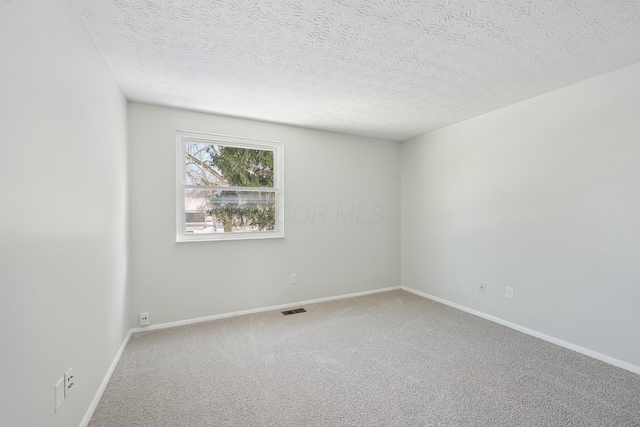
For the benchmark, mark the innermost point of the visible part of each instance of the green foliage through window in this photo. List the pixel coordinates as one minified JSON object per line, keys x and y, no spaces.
{"x":228,"y":187}
{"x":242,"y":167}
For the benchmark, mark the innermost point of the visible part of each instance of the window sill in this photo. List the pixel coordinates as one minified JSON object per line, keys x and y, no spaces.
{"x":225,"y":237}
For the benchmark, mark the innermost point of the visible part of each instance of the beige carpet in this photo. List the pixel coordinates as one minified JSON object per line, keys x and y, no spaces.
{"x":388,"y":359}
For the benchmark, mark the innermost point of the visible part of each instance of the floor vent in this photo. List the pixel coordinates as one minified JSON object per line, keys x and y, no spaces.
{"x":296,"y":311}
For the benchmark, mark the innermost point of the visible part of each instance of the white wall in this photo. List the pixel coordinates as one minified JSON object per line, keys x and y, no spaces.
{"x":323,"y":171}
{"x":542,"y":196}
{"x":62,"y":213}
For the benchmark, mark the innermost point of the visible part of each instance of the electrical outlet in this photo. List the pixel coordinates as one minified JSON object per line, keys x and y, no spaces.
{"x":509,"y":293}
{"x":482,"y":288}
{"x":294,"y":279}
{"x":59,"y":393}
{"x":144,"y":319}
{"x":69,"y":382}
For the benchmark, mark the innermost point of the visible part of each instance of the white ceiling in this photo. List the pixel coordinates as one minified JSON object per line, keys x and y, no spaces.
{"x":391,"y":69}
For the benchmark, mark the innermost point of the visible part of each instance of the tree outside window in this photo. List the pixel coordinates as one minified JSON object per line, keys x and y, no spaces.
{"x":229,"y":188}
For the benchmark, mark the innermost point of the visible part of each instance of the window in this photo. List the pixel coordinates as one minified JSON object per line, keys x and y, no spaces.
{"x":228,"y":188}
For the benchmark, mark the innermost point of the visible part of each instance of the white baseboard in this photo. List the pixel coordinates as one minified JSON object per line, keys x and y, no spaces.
{"x":258,"y":310}
{"x":105,"y":381}
{"x":594,"y":354}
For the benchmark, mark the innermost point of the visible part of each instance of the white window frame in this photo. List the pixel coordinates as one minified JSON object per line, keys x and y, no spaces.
{"x":183,"y":137}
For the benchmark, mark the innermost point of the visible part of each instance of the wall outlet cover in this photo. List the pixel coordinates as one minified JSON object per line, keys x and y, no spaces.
{"x":69,"y":382}
{"x":482,"y":288}
{"x":144,"y":319}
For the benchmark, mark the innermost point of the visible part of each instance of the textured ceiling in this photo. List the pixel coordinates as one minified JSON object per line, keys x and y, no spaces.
{"x":385,"y":68}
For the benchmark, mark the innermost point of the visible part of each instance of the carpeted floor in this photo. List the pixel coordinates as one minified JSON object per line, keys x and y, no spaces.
{"x":388,"y":359}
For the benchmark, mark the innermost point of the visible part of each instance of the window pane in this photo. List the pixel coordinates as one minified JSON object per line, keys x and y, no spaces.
{"x":223,"y":211}
{"x":213,"y":164}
